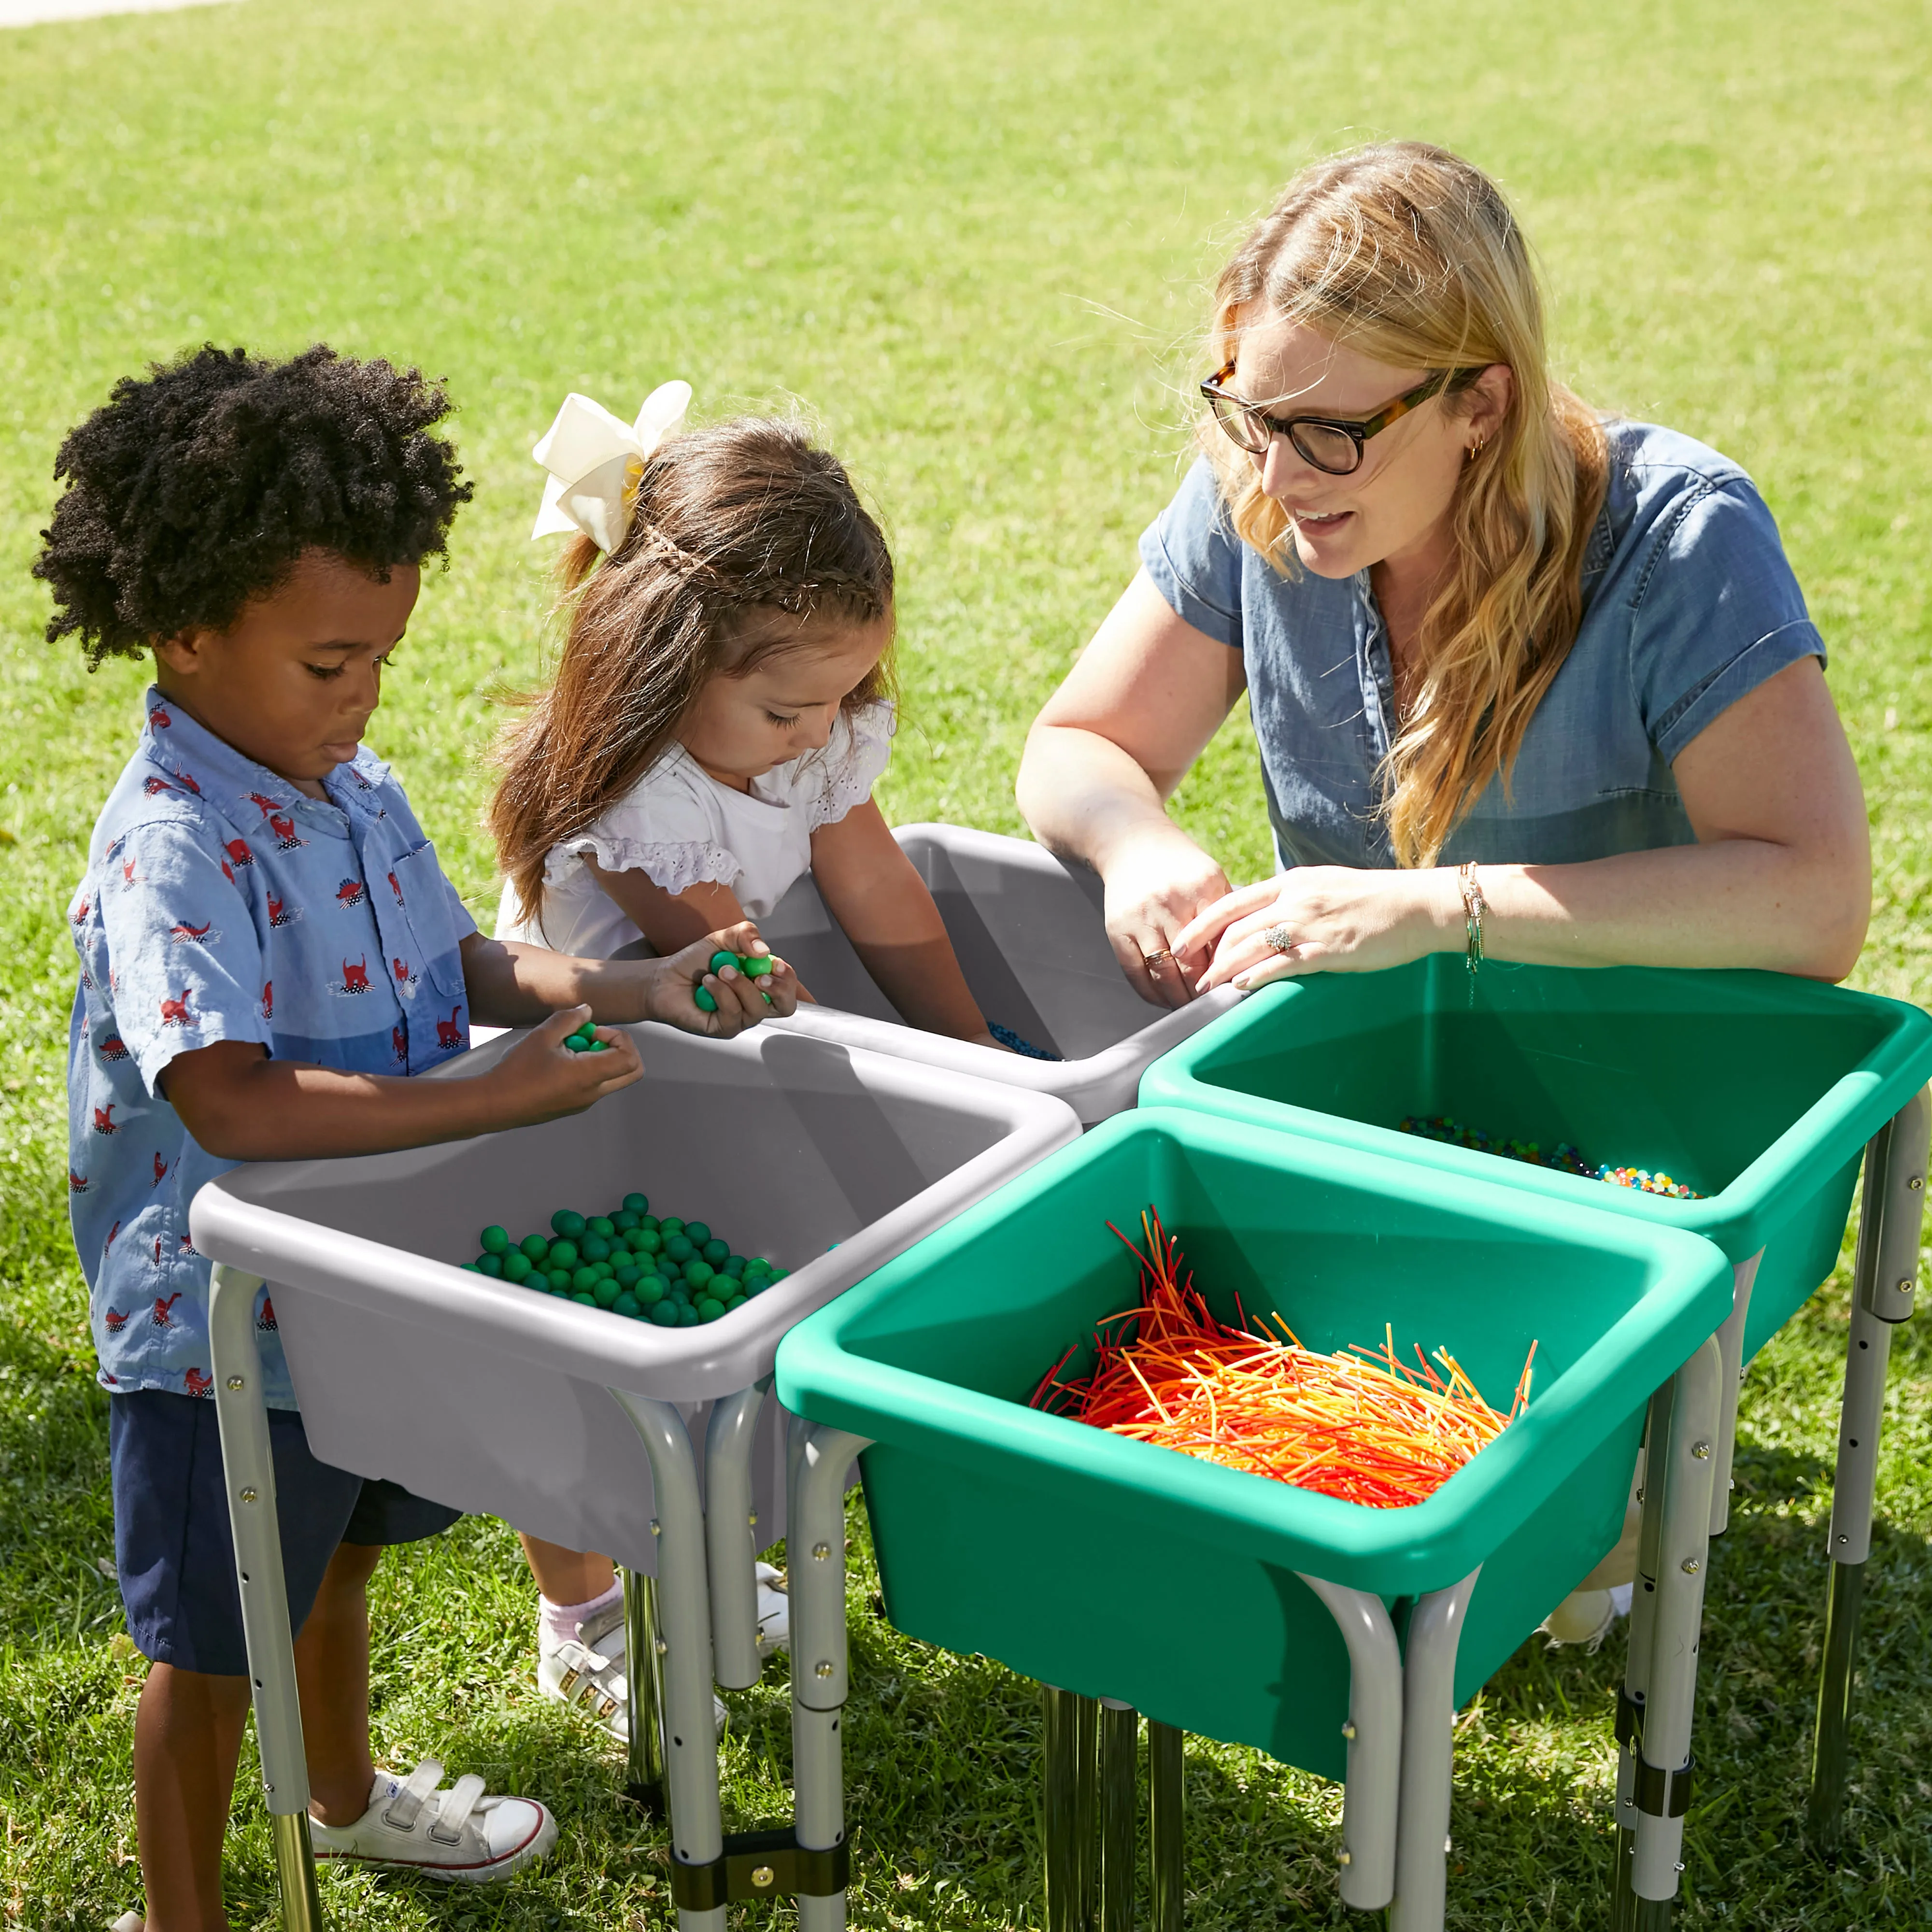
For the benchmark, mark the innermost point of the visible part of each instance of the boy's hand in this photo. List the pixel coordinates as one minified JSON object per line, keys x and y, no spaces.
{"x":540,"y":1079}
{"x":740,"y":998}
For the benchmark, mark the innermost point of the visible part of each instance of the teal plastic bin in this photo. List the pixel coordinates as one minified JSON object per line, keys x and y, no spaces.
{"x":1758,"y":1090}
{"x":1115,"y":1568}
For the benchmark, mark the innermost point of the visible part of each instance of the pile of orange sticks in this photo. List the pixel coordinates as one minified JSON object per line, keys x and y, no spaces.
{"x":1361,"y":1425}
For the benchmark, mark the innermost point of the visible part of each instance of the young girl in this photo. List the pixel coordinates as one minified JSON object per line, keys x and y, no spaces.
{"x":720,"y":711}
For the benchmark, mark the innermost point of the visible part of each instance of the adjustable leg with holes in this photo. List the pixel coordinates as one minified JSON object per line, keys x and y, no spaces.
{"x":248,"y":1471}
{"x":820,"y":1676}
{"x":1428,"y":1758}
{"x":684,"y":1640}
{"x":644,"y":1769}
{"x":1371,"y":1794}
{"x":1636,"y":1669}
{"x":1167,"y":1836}
{"x":1118,"y":1759}
{"x":1678,"y":1480}
{"x":1884,"y":1287}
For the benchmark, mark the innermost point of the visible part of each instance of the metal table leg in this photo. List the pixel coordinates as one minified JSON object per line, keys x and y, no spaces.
{"x":1885,"y":1285}
{"x":731,"y":1526}
{"x":1118,"y":1760}
{"x":820,"y":1670}
{"x":1166,"y":1825}
{"x":1066,"y":1775}
{"x":690,"y":1735}
{"x":1731,"y":1346}
{"x":1636,"y":1667}
{"x":1371,"y":1796}
{"x":248,"y":1472}
{"x":1678,"y":1474}
{"x":644,"y":1768}
{"x":1428,"y":1757}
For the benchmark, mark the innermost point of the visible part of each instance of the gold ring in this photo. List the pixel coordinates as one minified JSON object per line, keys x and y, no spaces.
{"x":1278,"y":939}
{"x":1156,"y":957}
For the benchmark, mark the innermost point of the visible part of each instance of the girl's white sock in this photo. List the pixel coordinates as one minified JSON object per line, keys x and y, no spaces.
{"x":557,"y":1623}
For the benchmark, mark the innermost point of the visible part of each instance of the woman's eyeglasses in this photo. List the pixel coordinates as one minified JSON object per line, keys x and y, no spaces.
{"x":1331,"y":443}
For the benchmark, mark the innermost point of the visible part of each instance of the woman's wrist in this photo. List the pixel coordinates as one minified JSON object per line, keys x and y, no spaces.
{"x":1436,"y":909}
{"x":1134,"y":843}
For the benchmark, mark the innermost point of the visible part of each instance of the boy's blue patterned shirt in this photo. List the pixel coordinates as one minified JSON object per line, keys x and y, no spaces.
{"x":220,"y":904}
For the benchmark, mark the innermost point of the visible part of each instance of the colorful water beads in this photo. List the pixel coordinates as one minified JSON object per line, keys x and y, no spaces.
{"x":1564,"y":1157}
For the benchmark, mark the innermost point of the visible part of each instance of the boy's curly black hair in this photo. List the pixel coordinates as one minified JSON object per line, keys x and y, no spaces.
{"x":196,"y":487}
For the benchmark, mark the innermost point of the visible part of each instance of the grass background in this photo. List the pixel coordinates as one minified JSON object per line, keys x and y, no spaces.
{"x":971,"y":240}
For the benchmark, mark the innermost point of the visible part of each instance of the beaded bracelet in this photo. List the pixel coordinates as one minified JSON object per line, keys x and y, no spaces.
{"x":1474,"y":908}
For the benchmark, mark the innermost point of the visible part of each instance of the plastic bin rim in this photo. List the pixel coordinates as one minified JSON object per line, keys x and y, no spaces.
{"x":1869,"y":1093}
{"x":1389,"y":1551}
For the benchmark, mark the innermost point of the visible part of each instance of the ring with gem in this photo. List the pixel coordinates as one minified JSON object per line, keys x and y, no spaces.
{"x":1279,"y":939}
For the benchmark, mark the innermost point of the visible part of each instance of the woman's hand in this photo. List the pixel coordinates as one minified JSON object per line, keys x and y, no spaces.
{"x":670,"y":986}
{"x":1331,"y":918}
{"x":1158,"y":885}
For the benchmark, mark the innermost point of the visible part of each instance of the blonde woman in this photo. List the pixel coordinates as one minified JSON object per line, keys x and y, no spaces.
{"x":1476,"y":622}
{"x":1495,"y":645}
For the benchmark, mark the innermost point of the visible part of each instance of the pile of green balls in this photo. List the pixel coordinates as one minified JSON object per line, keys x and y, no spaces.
{"x":676,"y":1273}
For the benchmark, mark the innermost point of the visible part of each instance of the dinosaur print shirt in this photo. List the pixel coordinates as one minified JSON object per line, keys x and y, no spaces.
{"x":221,"y":903}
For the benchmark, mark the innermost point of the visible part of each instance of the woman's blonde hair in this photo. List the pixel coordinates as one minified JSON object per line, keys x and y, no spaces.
{"x":1411,"y":256}
{"x":741,"y":535}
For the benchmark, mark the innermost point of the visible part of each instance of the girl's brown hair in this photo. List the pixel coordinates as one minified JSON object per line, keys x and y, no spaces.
{"x":739,"y":535}
{"x":1411,"y":256}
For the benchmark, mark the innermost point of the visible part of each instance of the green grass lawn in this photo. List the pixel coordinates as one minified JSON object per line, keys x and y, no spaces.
{"x":971,"y":240}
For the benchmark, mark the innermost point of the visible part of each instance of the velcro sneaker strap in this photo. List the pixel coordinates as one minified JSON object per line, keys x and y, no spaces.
{"x":453,"y":1813}
{"x":401,"y":1810}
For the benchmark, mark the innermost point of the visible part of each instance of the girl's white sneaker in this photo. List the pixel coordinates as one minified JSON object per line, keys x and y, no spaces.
{"x":587,"y":1671}
{"x":1587,"y":1617}
{"x":460,"y":1834}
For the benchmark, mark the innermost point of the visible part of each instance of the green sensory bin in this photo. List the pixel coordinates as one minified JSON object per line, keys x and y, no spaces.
{"x":1118,"y":1569}
{"x":1758,"y":1090}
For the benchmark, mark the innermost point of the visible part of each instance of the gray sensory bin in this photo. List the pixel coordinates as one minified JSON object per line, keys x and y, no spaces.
{"x":826,"y":1159}
{"x":1031,"y":939}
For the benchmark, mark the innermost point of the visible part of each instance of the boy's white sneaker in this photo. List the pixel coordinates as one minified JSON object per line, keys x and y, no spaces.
{"x":460,"y":1834}
{"x":587,"y":1670}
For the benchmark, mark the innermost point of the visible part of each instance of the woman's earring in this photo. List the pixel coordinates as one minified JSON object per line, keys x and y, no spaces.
{"x":1476,"y":448}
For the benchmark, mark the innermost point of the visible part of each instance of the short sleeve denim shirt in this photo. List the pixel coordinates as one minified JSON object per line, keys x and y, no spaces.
{"x":222,"y":903}
{"x":1689,"y":603}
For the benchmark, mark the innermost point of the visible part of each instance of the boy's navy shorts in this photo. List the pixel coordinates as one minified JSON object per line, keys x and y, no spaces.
{"x":173,"y":1546}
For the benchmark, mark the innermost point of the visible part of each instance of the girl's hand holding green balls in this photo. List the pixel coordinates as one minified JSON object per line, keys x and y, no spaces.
{"x":723,"y":983}
{"x":673,"y":1273}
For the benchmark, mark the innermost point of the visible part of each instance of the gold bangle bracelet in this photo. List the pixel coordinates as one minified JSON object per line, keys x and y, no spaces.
{"x":1474,"y":906}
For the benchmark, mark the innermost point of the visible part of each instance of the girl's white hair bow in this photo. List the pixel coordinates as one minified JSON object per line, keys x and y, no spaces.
{"x":594,"y":462}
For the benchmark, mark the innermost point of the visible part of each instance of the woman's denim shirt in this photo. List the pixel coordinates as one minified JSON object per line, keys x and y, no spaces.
{"x":1689,"y":604}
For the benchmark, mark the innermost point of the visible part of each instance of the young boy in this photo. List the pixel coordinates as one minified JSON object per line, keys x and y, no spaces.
{"x":268,"y":950}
